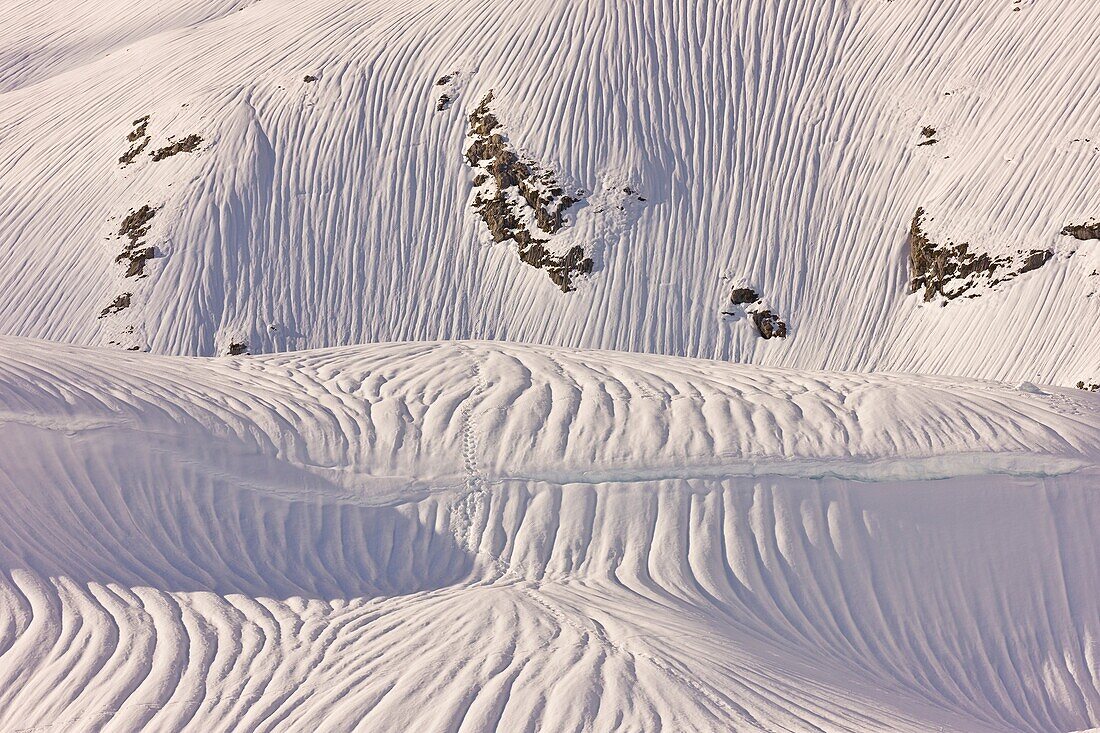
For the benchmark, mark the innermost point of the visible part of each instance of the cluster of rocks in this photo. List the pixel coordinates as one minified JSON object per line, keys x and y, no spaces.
{"x":928,"y":136}
{"x":1091,"y":387}
{"x":120,"y":303}
{"x":135,"y":252}
{"x":768,"y":324}
{"x":514,"y":193}
{"x":139,"y":139}
{"x":950,"y":270}
{"x":445,"y":98}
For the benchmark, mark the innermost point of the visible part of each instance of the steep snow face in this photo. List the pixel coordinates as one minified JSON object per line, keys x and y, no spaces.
{"x":782,"y":145}
{"x":475,"y":536}
{"x":45,"y":38}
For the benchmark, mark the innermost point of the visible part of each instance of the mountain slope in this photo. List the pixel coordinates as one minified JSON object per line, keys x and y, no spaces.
{"x":775,"y":144}
{"x":474,"y":536}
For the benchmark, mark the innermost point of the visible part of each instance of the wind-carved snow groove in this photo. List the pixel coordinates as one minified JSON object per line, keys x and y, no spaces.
{"x":513,"y":196}
{"x":596,"y":633}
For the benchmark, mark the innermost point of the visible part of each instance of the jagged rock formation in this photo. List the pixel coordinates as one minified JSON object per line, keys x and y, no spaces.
{"x":120,"y":303}
{"x":188,"y":144}
{"x":1082,"y":231}
{"x":952,"y":270}
{"x":513,"y":195}
{"x":743,"y":296}
{"x":138,"y":139}
{"x":135,"y":253}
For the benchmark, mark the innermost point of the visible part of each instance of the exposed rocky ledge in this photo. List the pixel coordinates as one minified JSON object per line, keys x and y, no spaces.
{"x":521,"y":201}
{"x":139,"y":139}
{"x":952,"y":270}
{"x":768,"y":324}
{"x":135,"y":252}
{"x":1082,"y":231}
{"x":446,"y":97}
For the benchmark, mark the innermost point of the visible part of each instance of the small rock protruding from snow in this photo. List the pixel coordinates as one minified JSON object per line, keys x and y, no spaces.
{"x":768,"y":324}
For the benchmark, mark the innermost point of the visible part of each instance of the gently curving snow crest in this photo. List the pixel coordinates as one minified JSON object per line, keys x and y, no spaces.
{"x":775,"y":142}
{"x":478,"y":536}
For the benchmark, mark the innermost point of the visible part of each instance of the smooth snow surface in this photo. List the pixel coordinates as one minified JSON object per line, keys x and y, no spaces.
{"x":775,"y":142}
{"x":477,"y":536}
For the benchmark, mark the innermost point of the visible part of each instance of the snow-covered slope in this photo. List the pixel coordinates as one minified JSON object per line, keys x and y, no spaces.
{"x":776,"y":143}
{"x":477,"y":536}
{"x":420,"y":504}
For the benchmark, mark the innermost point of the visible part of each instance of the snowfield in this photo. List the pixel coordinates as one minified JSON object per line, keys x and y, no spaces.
{"x":479,"y":536}
{"x":560,"y":365}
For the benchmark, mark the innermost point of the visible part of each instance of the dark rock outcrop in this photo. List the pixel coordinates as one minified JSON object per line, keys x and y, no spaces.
{"x":188,"y":144}
{"x":1083,"y":232}
{"x":120,"y":303}
{"x":137,"y":259}
{"x":138,"y":139}
{"x":768,"y":324}
{"x":136,"y":224}
{"x":743,"y":296}
{"x":951,"y":270}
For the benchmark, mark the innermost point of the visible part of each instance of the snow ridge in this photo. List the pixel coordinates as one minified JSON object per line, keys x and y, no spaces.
{"x":487,"y":536}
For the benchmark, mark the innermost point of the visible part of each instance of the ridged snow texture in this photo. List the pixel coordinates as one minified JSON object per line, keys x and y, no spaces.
{"x":472,"y":536}
{"x":775,"y":142}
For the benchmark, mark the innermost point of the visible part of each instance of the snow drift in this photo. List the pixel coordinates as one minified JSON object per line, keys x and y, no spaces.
{"x":468,"y":536}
